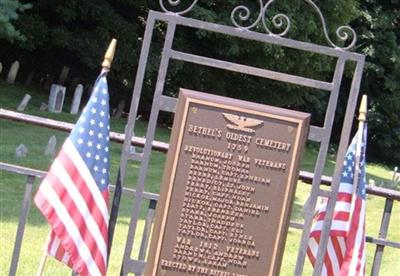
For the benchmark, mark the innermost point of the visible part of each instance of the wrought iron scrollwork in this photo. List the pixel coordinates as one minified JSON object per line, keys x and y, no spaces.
{"x":280,"y":21}
{"x":243,"y":13}
{"x":175,"y":3}
{"x":343,"y":32}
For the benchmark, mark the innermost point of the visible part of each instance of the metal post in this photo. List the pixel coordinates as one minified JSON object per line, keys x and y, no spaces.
{"x":319,"y":166}
{"x":344,"y":141}
{"x":147,"y":148}
{"x":147,"y":229}
{"x":382,"y":234}
{"x":21,"y":224}
{"x":129,"y":131}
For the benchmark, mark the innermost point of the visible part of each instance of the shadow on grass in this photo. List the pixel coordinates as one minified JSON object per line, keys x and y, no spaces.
{"x":12,"y":189}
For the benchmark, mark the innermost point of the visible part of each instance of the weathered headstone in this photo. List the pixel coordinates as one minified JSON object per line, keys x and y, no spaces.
{"x":228,"y":188}
{"x":56,"y":99}
{"x":21,"y":151}
{"x":371,"y":182}
{"x":59,"y":101}
{"x":1,"y":68}
{"x":51,"y":146}
{"x":24,"y":102}
{"x":12,"y":74}
{"x":29,"y":79}
{"x":120,"y":109}
{"x":43,"y":107}
{"x":76,"y":101}
{"x":132,"y":149}
{"x":396,"y":177}
{"x":63,"y":75}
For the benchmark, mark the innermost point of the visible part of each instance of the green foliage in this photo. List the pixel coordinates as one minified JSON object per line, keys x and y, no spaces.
{"x":76,"y":33}
{"x":380,"y":29}
{"x":9,"y":10}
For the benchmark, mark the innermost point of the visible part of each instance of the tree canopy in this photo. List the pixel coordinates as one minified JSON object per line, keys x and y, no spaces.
{"x":9,"y":12}
{"x":379,"y":26}
{"x":76,"y":33}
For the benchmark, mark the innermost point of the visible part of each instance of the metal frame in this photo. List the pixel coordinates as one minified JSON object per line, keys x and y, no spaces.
{"x":26,"y":203}
{"x":165,"y":103}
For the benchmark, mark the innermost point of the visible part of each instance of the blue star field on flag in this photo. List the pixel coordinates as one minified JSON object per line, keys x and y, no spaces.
{"x":91,"y":133}
{"x":349,"y":165}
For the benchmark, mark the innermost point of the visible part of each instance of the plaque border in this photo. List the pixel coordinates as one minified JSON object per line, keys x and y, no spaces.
{"x":186,"y":97}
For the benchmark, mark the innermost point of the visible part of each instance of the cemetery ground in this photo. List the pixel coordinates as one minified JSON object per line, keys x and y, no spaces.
{"x":35,"y":138}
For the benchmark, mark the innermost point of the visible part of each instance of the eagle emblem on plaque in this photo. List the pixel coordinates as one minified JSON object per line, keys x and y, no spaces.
{"x":241,"y":123}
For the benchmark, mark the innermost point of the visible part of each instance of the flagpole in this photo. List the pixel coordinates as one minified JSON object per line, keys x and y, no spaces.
{"x":44,"y":256}
{"x":109,"y":55}
{"x":362,"y":117}
{"x":106,"y":64}
{"x":108,"y":58}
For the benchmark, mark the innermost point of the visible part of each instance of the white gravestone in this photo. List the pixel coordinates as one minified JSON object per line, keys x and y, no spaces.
{"x":12,"y":74}
{"x":43,"y":107}
{"x":120,"y":109}
{"x":1,"y":67}
{"x":51,"y":146}
{"x":396,"y":176}
{"x":76,"y":101}
{"x":56,"y":99}
{"x":132,"y":149}
{"x":24,"y":102}
{"x":21,"y":151}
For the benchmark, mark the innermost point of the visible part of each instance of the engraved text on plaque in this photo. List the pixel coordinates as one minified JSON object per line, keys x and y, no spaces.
{"x":228,"y":188}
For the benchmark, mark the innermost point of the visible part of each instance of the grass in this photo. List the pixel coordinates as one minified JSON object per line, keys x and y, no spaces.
{"x":35,"y":138}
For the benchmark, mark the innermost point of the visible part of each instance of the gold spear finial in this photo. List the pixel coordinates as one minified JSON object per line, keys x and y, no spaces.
{"x":109,"y":56}
{"x":362,"y":116}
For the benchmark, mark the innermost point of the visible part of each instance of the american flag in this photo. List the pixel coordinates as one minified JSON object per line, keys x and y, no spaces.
{"x":345,"y":253}
{"x":73,"y":197}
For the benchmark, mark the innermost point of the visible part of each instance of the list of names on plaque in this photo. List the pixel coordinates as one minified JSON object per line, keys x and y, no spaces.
{"x":228,"y":196}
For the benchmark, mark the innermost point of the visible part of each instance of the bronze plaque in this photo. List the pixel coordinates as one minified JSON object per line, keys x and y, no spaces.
{"x":228,"y":188}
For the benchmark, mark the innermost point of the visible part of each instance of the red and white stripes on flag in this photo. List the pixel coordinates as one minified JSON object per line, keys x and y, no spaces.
{"x":55,"y":249}
{"x":77,"y":211}
{"x":345,"y":253}
{"x":73,"y":196}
